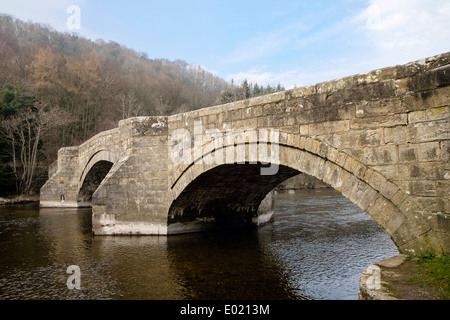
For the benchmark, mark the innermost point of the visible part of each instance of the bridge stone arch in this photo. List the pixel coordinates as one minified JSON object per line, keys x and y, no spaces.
{"x":238,"y":189}
{"x":93,"y":173}
{"x":380,"y":138}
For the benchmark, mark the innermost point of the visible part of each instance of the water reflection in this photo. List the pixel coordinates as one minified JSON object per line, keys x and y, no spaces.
{"x":227,"y":265}
{"x":316,"y":248}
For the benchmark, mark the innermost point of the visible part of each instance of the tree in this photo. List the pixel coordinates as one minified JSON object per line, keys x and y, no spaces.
{"x":227,"y":97}
{"x":256,"y":90}
{"x":48,"y":69}
{"x":245,"y":90}
{"x":129,"y":105}
{"x":23,"y":130}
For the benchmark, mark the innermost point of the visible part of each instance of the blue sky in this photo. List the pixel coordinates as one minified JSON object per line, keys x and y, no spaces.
{"x":295,"y":43}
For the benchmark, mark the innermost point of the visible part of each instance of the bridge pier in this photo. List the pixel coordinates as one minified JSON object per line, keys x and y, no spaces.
{"x":61,"y":190}
{"x":133,"y":198}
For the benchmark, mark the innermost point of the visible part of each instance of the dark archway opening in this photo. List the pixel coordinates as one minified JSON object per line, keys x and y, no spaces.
{"x":229,"y":195}
{"x":92,"y":181}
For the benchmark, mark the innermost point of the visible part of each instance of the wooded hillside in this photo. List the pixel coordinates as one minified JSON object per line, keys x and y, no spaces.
{"x":59,"y":89}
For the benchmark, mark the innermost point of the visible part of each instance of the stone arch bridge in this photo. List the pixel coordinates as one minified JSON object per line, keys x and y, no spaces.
{"x":380,"y":138}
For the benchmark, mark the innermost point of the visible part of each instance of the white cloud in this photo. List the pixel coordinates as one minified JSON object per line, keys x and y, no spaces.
{"x":385,"y":33}
{"x":404,"y":30}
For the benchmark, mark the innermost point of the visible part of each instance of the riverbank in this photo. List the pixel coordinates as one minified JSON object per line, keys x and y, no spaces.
{"x":19,"y":200}
{"x":407,"y":278}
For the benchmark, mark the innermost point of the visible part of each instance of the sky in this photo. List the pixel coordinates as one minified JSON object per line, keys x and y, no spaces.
{"x":291,"y":42}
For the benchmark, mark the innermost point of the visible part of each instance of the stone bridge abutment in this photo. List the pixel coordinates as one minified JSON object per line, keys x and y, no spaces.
{"x":379,"y":138}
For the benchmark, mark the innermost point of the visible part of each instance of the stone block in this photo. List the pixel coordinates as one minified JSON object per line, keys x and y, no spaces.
{"x":367,"y":198}
{"x":429,"y":151}
{"x":395,"y":221}
{"x":425,"y":188}
{"x":422,"y":171}
{"x":380,"y":121}
{"x":380,"y":155}
{"x":443,"y":187}
{"x":304,"y":130}
{"x":350,"y":184}
{"x":431,"y":79}
{"x":429,"y":131}
{"x":331,"y":174}
{"x":367,"y":138}
{"x":302,"y":92}
{"x":382,"y":107}
{"x":410,"y":208}
{"x":374,"y":179}
{"x":344,"y":180}
{"x":322,"y":150}
{"x":434,"y":204}
{"x":329,"y":127}
{"x":407,"y":241}
{"x":318,"y":169}
{"x":428,"y":99}
{"x":396,"y":135}
{"x":370,"y":91}
{"x":399,"y":197}
{"x":341,"y":158}
{"x":356,"y":167}
{"x":429,"y":115}
{"x":357,"y":138}
{"x":265,"y":99}
{"x":388,"y":190}
{"x":389,"y":171}
{"x":375,"y":208}
{"x":358,"y":191}
{"x":332,"y":154}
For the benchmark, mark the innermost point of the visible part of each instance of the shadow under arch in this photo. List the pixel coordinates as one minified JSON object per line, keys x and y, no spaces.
{"x":95,"y":170}
{"x":201,"y":191}
{"x":92,"y":181}
{"x":228,"y":195}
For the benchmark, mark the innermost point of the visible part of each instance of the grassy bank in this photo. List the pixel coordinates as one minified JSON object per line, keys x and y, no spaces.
{"x":433,"y":272}
{"x":423,"y":277}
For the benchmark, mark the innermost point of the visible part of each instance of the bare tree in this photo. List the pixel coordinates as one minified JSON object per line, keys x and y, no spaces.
{"x":129,"y":105}
{"x":24,"y":131}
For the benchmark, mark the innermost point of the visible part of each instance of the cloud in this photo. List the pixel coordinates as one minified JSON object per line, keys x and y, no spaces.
{"x":384,"y":33}
{"x":405,"y":30}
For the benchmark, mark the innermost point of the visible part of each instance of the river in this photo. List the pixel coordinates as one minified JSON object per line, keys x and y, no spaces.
{"x":316,"y":248}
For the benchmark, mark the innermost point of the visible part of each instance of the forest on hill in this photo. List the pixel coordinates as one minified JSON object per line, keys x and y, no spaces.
{"x":60,"y":89}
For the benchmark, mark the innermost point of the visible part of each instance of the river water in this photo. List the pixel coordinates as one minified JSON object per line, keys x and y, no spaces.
{"x":316,"y":248}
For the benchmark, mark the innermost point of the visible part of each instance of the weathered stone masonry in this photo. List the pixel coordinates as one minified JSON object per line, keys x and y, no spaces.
{"x":380,"y":138}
